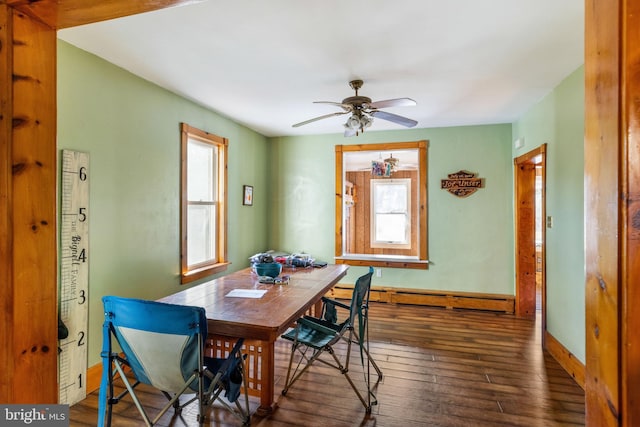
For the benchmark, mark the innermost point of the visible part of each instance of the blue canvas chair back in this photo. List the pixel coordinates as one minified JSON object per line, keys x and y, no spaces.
{"x":359,"y":300}
{"x":162,"y":342}
{"x":359,"y":297}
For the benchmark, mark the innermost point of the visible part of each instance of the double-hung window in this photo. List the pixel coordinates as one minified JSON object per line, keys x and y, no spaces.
{"x":203,"y":203}
{"x":391,"y":213}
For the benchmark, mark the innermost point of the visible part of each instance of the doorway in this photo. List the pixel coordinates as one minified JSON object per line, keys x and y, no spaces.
{"x":530,"y":234}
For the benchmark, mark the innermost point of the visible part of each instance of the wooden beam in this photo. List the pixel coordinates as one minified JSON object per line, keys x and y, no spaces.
{"x":630,"y":219}
{"x":601,"y":151}
{"x":612,"y":212}
{"x":28,"y":192}
{"x":6,"y":232}
{"x":60,"y":14}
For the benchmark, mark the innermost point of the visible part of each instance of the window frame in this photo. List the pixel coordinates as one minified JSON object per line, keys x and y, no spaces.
{"x":220,"y":262}
{"x":421,"y":261}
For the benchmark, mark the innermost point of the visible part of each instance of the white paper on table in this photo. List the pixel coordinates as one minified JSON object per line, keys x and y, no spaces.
{"x":247,"y":293}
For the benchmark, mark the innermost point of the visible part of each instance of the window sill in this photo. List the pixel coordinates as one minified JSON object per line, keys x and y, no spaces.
{"x":389,"y":261}
{"x":201,"y":272}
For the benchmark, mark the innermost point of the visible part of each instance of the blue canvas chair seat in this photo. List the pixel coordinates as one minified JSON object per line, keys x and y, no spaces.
{"x":313,"y":334}
{"x":313,"y":337}
{"x":163,"y":346}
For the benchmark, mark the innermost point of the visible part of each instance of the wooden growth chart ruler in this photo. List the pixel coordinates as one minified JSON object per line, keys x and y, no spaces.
{"x":74,"y":277}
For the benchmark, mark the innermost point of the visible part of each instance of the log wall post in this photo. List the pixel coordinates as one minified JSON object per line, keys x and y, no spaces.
{"x":612,"y":212}
{"x":28,"y":292}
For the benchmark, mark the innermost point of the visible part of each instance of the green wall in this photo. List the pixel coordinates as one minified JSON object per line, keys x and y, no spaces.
{"x":470,"y":240}
{"x":558,"y":120}
{"x":130,"y":128}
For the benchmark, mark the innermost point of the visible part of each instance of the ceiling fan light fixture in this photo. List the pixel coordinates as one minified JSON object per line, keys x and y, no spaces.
{"x":352,"y":123}
{"x":365,"y":122}
{"x":358,"y":122}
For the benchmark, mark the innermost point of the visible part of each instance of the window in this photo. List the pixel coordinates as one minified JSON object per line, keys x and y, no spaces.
{"x":391,"y":213}
{"x":203,"y":204}
{"x":381,"y":205}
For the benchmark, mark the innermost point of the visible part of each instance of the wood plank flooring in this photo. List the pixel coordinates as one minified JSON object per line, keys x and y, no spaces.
{"x":441,"y":368}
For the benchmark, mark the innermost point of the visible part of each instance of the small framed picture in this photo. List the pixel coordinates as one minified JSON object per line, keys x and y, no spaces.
{"x":247,"y":192}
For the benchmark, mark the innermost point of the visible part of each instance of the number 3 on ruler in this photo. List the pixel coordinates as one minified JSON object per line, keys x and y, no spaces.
{"x":74,"y":275}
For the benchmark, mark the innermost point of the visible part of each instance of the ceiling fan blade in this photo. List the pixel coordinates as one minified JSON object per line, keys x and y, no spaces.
{"x":398,"y":102}
{"x":394,"y":118}
{"x":326,"y":116}
{"x":345,"y":107}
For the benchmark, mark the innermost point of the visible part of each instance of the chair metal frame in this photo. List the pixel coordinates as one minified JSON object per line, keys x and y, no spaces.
{"x":205,"y":377}
{"x":320,"y":335}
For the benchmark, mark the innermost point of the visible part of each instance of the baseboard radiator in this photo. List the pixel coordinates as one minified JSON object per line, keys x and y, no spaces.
{"x":446,"y":299}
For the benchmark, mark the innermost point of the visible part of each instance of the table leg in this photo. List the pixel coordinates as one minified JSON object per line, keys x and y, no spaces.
{"x":268,"y":375}
{"x":260,"y":366}
{"x":317,"y":309}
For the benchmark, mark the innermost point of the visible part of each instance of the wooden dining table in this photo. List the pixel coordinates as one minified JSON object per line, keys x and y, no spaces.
{"x":236,"y":309}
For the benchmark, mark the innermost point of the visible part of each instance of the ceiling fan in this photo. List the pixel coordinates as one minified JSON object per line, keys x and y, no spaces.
{"x":363,"y":111}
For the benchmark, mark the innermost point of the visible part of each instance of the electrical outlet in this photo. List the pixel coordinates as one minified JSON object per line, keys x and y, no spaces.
{"x":549,"y":221}
{"x":378,"y":272}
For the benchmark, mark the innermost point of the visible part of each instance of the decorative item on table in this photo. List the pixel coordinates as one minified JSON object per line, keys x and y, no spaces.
{"x":294,"y":260}
{"x":301,"y":260}
{"x":261,"y":258}
{"x":264,"y":265}
{"x":284,"y":280}
{"x":271,"y":269}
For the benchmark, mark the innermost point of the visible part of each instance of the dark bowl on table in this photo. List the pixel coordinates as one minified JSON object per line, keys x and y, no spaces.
{"x":271,"y":269}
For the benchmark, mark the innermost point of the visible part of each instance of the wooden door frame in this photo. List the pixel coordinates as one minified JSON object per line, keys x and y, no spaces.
{"x":530,"y":158}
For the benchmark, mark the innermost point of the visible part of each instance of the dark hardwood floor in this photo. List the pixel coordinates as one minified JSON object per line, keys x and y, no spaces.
{"x":441,"y":368}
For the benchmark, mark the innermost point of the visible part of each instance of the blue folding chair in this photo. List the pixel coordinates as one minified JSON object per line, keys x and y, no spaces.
{"x":314,"y":336}
{"x":163,"y":346}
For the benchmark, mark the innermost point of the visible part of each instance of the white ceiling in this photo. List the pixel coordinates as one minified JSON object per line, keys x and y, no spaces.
{"x":262,"y":63}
